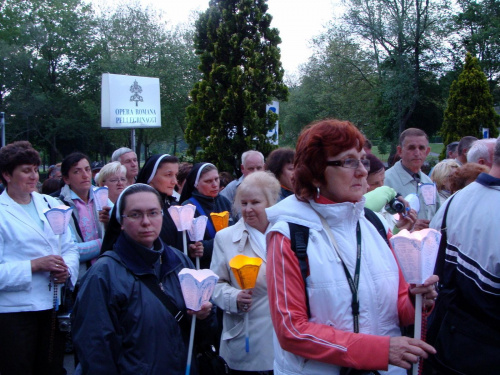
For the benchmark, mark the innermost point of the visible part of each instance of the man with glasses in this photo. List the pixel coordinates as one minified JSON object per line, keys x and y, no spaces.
{"x":406,"y":176}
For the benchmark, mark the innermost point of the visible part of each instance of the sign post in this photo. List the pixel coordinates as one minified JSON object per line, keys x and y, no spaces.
{"x":273,"y":132}
{"x":2,"y":125}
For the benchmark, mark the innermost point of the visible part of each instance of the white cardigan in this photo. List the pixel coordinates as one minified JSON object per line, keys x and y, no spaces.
{"x":22,"y":240}
{"x":228,"y":243}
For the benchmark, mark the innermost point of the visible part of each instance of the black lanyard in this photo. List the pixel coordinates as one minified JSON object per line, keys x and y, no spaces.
{"x":354,"y":284}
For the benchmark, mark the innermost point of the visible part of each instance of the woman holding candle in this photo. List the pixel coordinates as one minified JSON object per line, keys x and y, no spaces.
{"x":202,"y":190}
{"x":258,"y":191}
{"x":132,"y":330}
{"x":345,"y":313}
{"x":30,"y":265}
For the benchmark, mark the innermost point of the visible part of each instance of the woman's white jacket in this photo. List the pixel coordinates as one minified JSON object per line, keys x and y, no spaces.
{"x":22,"y":240}
{"x":230,"y":242}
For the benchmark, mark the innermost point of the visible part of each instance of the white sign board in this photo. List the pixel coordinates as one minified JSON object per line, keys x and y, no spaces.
{"x":272,"y":133}
{"x":129,"y":102}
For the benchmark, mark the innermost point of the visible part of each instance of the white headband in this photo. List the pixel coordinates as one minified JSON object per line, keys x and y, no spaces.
{"x":119,"y":201}
{"x":199,"y":173}
{"x":156,"y":167}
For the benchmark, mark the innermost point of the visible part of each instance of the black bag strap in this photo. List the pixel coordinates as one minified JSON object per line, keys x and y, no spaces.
{"x":373,"y":218}
{"x":441,"y":257}
{"x":152,"y":283}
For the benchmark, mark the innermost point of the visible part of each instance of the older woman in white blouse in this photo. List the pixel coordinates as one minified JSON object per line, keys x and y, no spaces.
{"x":247,"y":237}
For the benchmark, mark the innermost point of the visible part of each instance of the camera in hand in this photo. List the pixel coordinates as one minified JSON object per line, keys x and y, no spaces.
{"x":395,"y":207}
{"x":64,"y":321}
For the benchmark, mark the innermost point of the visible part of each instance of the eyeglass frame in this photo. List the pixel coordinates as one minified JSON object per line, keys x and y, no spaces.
{"x":124,"y":180}
{"x":142,"y":214}
{"x":341,"y":163}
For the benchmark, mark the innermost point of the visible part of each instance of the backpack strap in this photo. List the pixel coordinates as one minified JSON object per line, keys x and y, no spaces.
{"x":151,"y":282}
{"x":441,"y":256}
{"x":299,"y":237}
{"x":210,"y":225}
{"x":375,"y":220}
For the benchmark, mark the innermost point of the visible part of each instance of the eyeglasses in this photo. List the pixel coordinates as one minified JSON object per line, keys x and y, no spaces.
{"x":139,"y":215}
{"x":116,"y":180}
{"x":349,"y":163}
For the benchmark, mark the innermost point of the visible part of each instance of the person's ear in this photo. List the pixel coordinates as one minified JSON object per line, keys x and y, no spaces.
{"x":398,"y":149}
{"x":427,"y":151}
{"x":6,"y":176}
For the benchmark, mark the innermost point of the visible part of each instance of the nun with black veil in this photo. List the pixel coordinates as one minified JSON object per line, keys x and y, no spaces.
{"x":202,"y":190}
{"x":160,"y":172}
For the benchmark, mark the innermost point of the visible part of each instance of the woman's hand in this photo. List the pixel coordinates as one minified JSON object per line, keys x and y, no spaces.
{"x":196,"y":250}
{"x":407,"y":221}
{"x":427,"y":290}
{"x":104,"y":215}
{"x":204,"y":312}
{"x":403,"y":351}
{"x":244,"y":300}
{"x":54,"y":264}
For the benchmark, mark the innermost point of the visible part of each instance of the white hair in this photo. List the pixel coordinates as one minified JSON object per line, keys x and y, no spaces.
{"x":246,"y":154}
{"x":118,"y":153}
{"x":481,"y":150}
{"x":108,"y":170}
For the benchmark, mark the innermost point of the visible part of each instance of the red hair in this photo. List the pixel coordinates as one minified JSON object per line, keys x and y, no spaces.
{"x":316,"y":142}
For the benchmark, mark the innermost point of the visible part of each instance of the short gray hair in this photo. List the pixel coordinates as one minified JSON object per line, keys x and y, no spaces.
{"x":118,"y":153}
{"x":496,"y":155}
{"x":480,"y":150}
{"x":246,"y":154}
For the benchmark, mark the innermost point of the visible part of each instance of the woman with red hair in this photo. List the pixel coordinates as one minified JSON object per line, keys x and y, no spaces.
{"x":345,"y":312}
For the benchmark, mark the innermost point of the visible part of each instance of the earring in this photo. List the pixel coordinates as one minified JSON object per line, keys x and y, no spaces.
{"x":317,"y":192}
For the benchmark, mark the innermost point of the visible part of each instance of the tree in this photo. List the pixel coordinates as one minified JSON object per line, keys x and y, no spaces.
{"x":46,"y":40}
{"x":241,"y":73}
{"x":479,"y":26}
{"x":403,"y":35}
{"x":470,"y":105}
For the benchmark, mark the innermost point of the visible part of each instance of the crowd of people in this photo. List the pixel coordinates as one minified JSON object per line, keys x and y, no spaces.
{"x":329,"y":298}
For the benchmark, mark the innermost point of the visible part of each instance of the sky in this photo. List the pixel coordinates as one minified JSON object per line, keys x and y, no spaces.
{"x":297,"y":20}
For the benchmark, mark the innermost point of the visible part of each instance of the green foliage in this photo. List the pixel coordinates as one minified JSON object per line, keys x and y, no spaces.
{"x":241,"y":73}
{"x":470,"y":105}
{"x":58,"y":49}
{"x":479,"y":24}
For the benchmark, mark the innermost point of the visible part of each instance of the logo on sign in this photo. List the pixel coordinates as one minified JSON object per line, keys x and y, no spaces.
{"x":136,"y":90}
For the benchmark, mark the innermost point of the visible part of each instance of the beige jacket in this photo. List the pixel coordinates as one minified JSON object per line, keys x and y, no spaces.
{"x":230,"y":242}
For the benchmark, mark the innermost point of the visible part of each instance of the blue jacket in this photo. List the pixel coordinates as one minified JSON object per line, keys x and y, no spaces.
{"x":120,"y":326}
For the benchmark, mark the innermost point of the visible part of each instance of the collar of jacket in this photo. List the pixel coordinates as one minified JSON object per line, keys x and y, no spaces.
{"x":205,"y":201}
{"x":137,"y":258}
{"x":168,"y":200}
{"x":487,"y":180}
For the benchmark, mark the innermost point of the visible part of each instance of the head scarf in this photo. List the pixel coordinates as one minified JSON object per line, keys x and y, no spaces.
{"x":192,"y":180}
{"x":114,"y":226}
{"x":149,"y":169}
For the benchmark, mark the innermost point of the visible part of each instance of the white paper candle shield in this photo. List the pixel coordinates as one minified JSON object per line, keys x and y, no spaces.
{"x":413,"y":201}
{"x":416,"y":253}
{"x":58,"y":218}
{"x":182,"y":216}
{"x":197,"y":231}
{"x":101,"y":197}
{"x":197,"y":286}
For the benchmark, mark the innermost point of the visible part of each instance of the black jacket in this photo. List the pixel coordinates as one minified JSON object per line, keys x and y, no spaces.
{"x":120,"y":326}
